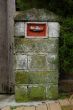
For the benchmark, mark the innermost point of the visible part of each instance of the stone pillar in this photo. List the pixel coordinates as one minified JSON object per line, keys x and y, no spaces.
{"x":36,"y":55}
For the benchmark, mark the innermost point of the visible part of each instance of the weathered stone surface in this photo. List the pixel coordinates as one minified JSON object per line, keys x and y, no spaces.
{"x":43,"y":62}
{"x":29,"y":92}
{"x":21,"y":61}
{"x":19,"y":29}
{"x":37,"y":62}
{"x":36,"y":92}
{"x":24,"y":45}
{"x":21,"y":93}
{"x":52,"y":57}
{"x":52,"y":45}
{"x":54,"y":29}
{"x":36,"y":15}
{"x":52,"y":61}
{"x":22,"y":77}
{"x":52,"y":91}
{"x":27,"y":77}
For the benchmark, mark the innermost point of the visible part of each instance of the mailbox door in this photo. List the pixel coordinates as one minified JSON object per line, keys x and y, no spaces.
{"x":36,"y":30}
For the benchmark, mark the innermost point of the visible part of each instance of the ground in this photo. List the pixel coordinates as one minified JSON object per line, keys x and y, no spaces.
{"x":8,"y":103}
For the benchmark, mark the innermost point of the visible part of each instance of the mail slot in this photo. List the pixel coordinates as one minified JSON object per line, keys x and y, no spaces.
{"x":36,"y":30}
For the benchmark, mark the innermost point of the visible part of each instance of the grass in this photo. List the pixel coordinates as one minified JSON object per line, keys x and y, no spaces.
{"x":69,"y":107}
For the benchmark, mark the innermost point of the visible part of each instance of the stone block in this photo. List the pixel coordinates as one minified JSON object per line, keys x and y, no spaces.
{"x":37,"y":62}
{"x":37,"y":92}
{"x":24,"y":45}
{"x":19,"y":29}
{"x":52,"y":91}
{"x":52,"y":61}
{"x":21,"y":93}
{"x":21,"y":61}
{"x":52,"y":57}
{"x":54,"y":29}
{"x":22,"y":77}
{"x":40,"y":77}
{"x":52,"y":45}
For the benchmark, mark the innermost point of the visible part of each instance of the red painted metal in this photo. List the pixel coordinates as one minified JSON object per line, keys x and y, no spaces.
{"x":36,"y":30}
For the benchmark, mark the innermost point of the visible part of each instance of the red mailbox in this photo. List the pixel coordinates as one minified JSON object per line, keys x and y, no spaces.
{"x":36,"y":30}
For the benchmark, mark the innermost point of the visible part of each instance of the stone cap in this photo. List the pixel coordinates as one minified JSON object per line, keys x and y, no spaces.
{"x":36,"y":15}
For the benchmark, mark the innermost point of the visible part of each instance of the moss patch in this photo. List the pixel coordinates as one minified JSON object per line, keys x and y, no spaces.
{"x":23,"y":77}
{"x":52,"y":91}
{"x":30,"y":92}
{"x":21,"y":94}
{"x":37,"y":93}
{"x":24,"y":93}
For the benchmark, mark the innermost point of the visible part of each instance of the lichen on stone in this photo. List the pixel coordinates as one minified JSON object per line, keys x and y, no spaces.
{"x":36,"y":15}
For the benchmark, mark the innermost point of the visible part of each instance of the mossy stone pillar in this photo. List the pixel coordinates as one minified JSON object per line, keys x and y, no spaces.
{"x":36,"y":55}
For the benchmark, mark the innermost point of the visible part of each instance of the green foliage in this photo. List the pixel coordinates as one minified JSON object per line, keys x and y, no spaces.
{"x":61,"y":7}
{"x":22,"y":4}
{"x":66,"y":46}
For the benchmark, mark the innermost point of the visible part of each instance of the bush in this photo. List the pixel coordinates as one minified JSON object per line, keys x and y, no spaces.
{"x":66,"y":46}
{"x":60,"y":7}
